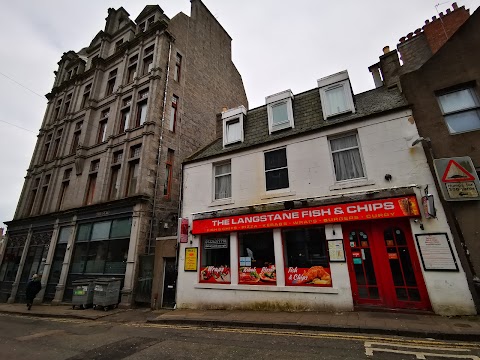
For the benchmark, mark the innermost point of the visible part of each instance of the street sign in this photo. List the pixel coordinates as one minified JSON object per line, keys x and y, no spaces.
{"x":458,"y":178}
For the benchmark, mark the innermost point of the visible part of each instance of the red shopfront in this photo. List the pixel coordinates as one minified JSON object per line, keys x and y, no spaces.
{"x":377,"y":241}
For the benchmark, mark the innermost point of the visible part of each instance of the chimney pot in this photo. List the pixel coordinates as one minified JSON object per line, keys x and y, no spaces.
{"x":434,"y":18}
{"x":402,"y":39}
{"x":410,"y":35}
{"x":386,"y":49}
{"x":441,"y":14}
{"x":427,"y":22}
{"x":224,"y":109}
{"x":418,"y":31}
{"x":449,"y":11}
{"x":455,"y":6}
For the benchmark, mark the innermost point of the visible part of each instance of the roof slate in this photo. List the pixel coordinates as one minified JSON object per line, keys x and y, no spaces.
{"x":308,"y":116}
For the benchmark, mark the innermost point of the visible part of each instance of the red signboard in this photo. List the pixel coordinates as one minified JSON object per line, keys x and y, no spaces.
{"x":215,"y":274}
{"x":257,"y":276}
{"x":365,"y":210}
{"x":314,"y":276}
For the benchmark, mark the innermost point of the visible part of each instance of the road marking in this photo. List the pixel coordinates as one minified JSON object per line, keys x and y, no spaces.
{"x":317,"y":335}
{"x":369,"y":350}
{"x":40,"y":334}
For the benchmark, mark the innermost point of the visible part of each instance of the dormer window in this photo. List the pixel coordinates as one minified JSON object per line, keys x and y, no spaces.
{"x":233,"y":125}
{"x":280,"y":112}
{"x":336,"y":95}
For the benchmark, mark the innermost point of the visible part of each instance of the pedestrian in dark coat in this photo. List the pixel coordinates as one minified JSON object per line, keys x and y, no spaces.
{"x":33,"y":287}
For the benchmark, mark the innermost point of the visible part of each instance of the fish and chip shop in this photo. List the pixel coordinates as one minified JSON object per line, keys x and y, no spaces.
{"x":336,"y":257}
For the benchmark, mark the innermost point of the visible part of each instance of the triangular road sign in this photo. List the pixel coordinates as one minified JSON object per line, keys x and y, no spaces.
{"x":456,"y":173}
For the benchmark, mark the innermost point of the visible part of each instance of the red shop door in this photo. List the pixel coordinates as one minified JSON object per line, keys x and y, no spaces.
{"x":383,"y":265}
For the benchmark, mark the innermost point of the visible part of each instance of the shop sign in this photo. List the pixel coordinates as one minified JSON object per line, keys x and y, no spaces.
{"x":458,"y":178}
{"x":365,"y":210}
{"x":257,"y":276}
{"x":215,"y":243}
{"x":191,"y":259}
{"x":215,"y":274}
{"x":313,"y":276}
{"x":184,"y":230}
{"x":436,"y":252}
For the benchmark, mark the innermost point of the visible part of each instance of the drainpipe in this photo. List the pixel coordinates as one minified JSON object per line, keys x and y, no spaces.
{"x":160,"y":144}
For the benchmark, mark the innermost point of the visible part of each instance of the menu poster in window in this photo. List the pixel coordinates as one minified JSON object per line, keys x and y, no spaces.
{"x":436,"y":252}
{"x":257,"y":276}
{"x":191,"y":259}
{"x":215,"y":274}
{"x":313,"y":276}
{"x":335,"y":251}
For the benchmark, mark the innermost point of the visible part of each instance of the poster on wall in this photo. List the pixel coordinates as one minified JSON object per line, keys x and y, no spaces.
{"x":335,"y":250}
{"x":184,"y":230}
{"x":436,"y":252}
{"x":313,"y":276}
{"x":215,"y":274}
{"x":191,"y":259}
{"x":257,"y":276}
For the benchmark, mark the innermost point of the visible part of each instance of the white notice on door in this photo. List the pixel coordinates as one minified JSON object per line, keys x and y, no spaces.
{"x":436,"y":252}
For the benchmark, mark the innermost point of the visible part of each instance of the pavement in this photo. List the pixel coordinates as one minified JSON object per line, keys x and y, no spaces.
{"x":461,"y":328}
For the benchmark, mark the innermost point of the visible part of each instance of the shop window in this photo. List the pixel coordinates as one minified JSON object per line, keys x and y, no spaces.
{"x":306,"y":257}
{"x":215,"y":259}
{"x":257,"y":259}
{"x":223,"y":181}
{"x":276,"y":170}
{"x":346,"y":156}
{"x":461,"y":110}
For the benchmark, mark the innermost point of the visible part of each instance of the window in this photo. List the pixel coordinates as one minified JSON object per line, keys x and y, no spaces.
{"x":112,"y":76}
{"x":43,"y":195}
{"x":86,"y":95}
{"x":67,"y":173}
{"x":63,"y":192}
{"x":56,"y":112}
{"x":336,"y":94}
{"x":94,"y":165}
{"x":215,"y":259}
{"x":114,"y":187}
{"x":132,"y":68}
{"x":142,"y":26}
{"x":233,"y":125}
{"x":461,"y":110}
{"x":150,"y":21}
{"x":125,"y":115}
{"x":234,"y":131}
{"x":142,"y":108}
{"x":173,"y":113}
{"x":280,"y":112}
{"x":347,"y":160}
{"x":135,"y":151}
{"x":257,"y":258}
{"x":92,"y":181}
{"x":223,"y":181}
{"x":46,"y":147}
{"x":133,"y":173}
{"x":33,"y":195}
{"x":117,"y":157}
{"x":102,"y":131}
{"x":168,"y":173}
{"x":102,"y":247}
{"x":66,"y":107}
{"x":56,"y":143}
{"x":147,"y":59}
{"x":306,"y":257}
{"x":76,"y":137}
{"x":276,"y":171}
{"x":178,"y":67}
{"x":118,"y":44}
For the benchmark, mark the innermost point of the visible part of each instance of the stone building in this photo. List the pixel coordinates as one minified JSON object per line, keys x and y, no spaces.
{"x":440,"y":78}
{"x":104,"y":180}
{"x":314,"y":202}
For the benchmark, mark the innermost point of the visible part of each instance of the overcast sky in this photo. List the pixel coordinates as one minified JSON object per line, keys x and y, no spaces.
{"x":277,"y":45}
